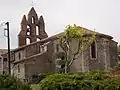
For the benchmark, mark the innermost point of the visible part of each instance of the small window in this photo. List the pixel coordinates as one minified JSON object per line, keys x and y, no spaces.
{"x":93,"y":50}
{"x":18,"y":68}
{"x":57,"y":47}
{"x":28,"y":30}
{"x":37,"y":30}
{"x":33,"y":20}
{"x":19,"y":55}
{"x":38,"y":39}
{"x":27,"y":41}
{"x":41,"y":49}
{"x":45,"y":48}
{"x":4,"y":59}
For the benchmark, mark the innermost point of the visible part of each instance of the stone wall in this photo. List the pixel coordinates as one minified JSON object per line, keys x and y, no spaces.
{"x":106,"y":55}
{"x":32,"y":60}
{"x":113,"y":53}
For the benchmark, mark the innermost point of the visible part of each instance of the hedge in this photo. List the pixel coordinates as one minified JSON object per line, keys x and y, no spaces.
{"x":95,"y":80}
{"x":8,"y":82}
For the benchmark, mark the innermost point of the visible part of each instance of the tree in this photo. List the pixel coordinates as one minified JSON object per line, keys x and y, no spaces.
{"x":118,"y":48}
{"x":83,"y":42}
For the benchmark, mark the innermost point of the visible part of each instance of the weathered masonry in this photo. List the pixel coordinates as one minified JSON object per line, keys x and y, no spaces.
{"x":36,"y":51}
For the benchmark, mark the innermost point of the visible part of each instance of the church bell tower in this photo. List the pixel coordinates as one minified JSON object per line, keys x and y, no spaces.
{"x":32,"y":29}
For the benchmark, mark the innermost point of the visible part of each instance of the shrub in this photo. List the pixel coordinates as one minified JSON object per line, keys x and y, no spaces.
{"x":56,"y":82}
{"x":94,"y":80}
{"x":43,"y":75}
{"x":39,"y":77}
{"x":97,"y":75}
{"x":8,"y":82}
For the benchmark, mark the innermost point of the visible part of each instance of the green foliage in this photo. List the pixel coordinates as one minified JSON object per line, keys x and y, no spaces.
{"x":74,"y":32}
{"x":44,"y":75}
{"x":35,"y":87}
{"x":40,"y":77}
{"x":83,"y":42}
{"x":97,"y":75}
{"x":118,"y":48}
{"x":94,"y":80}
{"x":115,"y":68}
{"x":8,"y":82}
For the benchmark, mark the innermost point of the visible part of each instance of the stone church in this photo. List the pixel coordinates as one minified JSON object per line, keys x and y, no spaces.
{"x":35,"y":52}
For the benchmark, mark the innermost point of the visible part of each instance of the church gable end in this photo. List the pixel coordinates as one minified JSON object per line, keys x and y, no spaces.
{"x":32,"y":29}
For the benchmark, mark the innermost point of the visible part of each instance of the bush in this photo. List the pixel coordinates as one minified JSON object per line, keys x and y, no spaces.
{"x":8,"y":82}
{"x":97,"y":75}
{"x":39,"y":77}
{"x":35,"y":87}
{"x":44,"y":75}
{"x":94,"y":80}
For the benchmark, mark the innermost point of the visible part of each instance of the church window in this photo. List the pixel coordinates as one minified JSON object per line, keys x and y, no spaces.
{"x":19,"y":55}
{"x":37,"y":30}
{"x":28,"y":30}
{"x":27,"y":41}
{"x":18,"y":68}
{"x":28,"y":33}
{"x":38,"y":39}
{"x":4,"y":59}
{"x":93,"y":50}
{"x":33,"y":20}
{"x":43,"y":48}
{"x":57,"y":47}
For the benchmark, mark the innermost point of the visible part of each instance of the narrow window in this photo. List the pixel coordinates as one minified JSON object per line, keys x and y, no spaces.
{"x":19,"y":55}
{"x":18,"y":68}
{"x":28,"y":30}
{"x":37,"y":30}
{"x":40,"y":49}
{"x":33,"y":20}
{"x":45,"y":48}
{"x":57,"y":47}
{"x":93,"y":50}
{"x":28,"y":33}
{"x":27,"y":41}
{"x":4,"y":59}
{"x":38,"y":39}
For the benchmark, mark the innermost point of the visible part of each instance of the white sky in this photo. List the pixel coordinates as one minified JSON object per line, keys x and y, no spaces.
{"x":102,"y":15}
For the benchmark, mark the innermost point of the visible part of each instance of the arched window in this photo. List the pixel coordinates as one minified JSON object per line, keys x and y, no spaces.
{"x":33,"y":20}
{"x":27,"y":41}
{"x":19,"y":55}
{"x":45,"y":48}
{"x":28,"y":30}
{"x":93,"y":50}
{"x":41,"y":49}
{"x":18,"y":68}
{"x":37,"y":30}
{"x":38,"y":39}
{"x":57,"y":47}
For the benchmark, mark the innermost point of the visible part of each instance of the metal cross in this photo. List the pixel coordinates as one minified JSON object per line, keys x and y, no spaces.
{"x":33,"y":4}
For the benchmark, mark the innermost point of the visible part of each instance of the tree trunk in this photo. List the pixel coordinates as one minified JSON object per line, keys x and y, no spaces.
{"x":66,"y":69}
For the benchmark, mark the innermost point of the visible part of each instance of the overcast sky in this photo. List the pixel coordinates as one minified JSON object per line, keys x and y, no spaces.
{"x":102,"y":15}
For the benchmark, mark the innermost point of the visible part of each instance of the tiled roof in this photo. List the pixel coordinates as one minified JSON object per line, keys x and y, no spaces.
{"x":87,"y":32}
